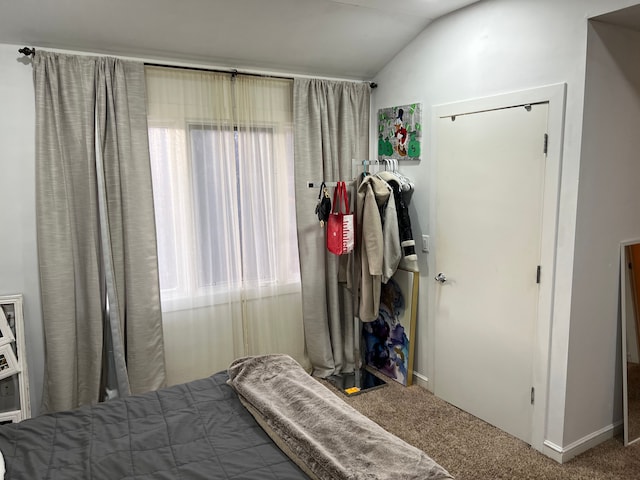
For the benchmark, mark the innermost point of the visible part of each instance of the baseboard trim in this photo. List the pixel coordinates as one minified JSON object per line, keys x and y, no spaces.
{"x":421,"y":380}
{"x":564,"y":454}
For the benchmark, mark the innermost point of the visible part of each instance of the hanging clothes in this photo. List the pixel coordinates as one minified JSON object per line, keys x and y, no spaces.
{"x":409,"y":260}
{"x":379,"y":244}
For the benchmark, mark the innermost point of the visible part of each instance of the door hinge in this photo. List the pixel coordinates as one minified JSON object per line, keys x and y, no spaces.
{"x":546,"y":143}
{"x":533,"y":395}
{"x":538,"y":274}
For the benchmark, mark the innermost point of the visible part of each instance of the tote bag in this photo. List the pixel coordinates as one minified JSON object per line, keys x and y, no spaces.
{"x":340,"y":226}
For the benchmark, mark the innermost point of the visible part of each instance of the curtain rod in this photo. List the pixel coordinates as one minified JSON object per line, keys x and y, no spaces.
{"x":233,"y":71}
{"x":32,"y":51}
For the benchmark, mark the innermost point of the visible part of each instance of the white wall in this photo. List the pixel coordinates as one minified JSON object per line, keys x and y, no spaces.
{"x":608,"y":213}
{"x":18,"y":250}
{"x":495,"y":47}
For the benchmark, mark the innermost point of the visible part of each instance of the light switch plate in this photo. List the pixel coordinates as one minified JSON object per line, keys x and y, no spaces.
{"x":425,"y":243}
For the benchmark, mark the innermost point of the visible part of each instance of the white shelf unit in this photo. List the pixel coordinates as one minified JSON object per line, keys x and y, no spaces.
{"x":15,"y":403}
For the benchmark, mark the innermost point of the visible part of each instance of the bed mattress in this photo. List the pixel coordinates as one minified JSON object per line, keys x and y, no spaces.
{"x":198,"y":430}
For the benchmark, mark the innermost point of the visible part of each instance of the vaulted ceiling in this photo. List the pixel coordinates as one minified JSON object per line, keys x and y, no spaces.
{"x":332,"y":38}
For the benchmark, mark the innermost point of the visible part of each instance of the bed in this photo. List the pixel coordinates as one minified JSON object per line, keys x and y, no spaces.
{"x":265,"y":418}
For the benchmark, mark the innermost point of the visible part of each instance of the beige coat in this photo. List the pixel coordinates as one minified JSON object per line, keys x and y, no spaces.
{"x":379,"y":251}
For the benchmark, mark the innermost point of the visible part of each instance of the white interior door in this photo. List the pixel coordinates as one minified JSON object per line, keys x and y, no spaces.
{"x":489,"y":197}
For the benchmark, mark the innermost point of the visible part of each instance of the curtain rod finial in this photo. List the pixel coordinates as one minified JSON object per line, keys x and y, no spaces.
{"x":27,"y":51}
{"x":373,"y":85}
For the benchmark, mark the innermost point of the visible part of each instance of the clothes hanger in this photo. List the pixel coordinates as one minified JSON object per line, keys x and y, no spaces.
{"x":377,"y":174}
{"x":393,"y":169}
{"x":405,"y":183}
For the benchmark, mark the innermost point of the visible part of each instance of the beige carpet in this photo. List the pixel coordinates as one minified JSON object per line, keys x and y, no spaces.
{"x":471,"y":449}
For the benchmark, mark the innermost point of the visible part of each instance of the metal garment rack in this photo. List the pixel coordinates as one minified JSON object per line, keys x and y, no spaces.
{"x":361,"y":380}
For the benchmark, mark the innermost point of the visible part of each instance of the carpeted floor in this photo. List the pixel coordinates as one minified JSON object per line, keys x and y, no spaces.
{"x":471,"y":449}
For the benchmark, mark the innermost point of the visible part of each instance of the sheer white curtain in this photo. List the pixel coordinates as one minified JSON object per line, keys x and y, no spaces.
{"x":222,"y":164}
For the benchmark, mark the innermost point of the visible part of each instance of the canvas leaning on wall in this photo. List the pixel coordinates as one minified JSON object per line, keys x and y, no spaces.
{"x":389,"y":340}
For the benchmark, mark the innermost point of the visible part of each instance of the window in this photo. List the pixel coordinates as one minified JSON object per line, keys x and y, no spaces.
{"x":216,"y":258}
{"x":224,"y":199}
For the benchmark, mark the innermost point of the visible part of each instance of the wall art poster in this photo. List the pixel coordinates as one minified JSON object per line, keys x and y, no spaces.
{"x":8,"y":362}
{"x":6,"y":335}
{"x":388,"y":340}
{"x":400,"y":132}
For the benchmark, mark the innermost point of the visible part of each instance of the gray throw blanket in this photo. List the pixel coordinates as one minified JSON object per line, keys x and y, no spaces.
{"x":326,"y":437}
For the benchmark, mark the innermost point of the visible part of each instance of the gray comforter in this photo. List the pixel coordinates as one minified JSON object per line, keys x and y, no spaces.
{"x":198,"y":430}
{"x":325,"y":436}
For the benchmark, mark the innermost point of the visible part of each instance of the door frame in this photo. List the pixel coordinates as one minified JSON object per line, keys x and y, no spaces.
{"x":555,"y":96}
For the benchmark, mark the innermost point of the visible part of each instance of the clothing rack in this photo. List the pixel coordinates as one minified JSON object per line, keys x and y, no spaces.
{"x":318,"y":184}
{"x":361,"y":380}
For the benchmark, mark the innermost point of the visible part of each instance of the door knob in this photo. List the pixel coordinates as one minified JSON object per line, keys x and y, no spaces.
{"x":441,"y":277}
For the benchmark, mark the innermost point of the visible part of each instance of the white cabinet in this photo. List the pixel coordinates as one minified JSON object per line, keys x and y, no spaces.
{"x":14,"y":380}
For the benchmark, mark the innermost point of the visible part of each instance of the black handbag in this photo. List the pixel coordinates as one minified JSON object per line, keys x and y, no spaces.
{"x":323,"y":207}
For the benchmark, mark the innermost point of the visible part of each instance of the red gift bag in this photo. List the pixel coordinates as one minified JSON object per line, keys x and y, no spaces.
{"x":340,"y":226}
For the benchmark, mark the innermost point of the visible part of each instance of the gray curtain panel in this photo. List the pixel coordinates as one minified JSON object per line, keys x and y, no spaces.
{"x":331,"y":122}
{"x":96,"y":231}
